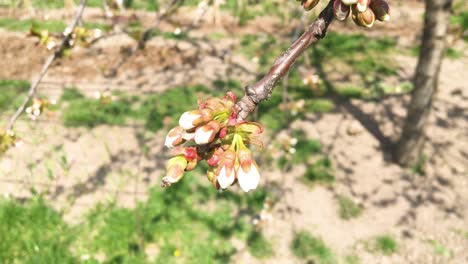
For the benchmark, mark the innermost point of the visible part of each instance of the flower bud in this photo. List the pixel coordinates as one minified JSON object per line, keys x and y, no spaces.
{"x":341,"y":11}
{"x":205,"y":134}
{"x":190,"y":119}
{"x":215,"y":157}
{"x":309,"y":4}
{"x":364,"y":19}
{"x":247,"y":173}
{"x":381,"y":9}
{"x":188,"y":135}
{"x":189,"y":153}
{"x":349,"y":2}
{"x":174,"y":137}
{"x":226,"y":174}
{"x":361,"y":5}
{"x":175,"y":170}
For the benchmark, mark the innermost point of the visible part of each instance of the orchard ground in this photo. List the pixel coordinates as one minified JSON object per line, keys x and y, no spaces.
{"x":85,"y":184}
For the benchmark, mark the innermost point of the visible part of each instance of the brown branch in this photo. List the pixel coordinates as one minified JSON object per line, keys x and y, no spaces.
{"x":57,"y":53}
{"x":262,"y":90}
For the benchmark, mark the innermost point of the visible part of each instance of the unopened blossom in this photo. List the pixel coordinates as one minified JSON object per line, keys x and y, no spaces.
{"x":175,"y":170}
{"x":226,"y":174}
{"x":188,"y":119}
{"x":174,"y":137}
{"x":248,"y":175}
{"x":206,"y":133}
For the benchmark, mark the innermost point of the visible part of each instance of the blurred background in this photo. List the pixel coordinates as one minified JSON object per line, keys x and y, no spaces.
{"x":82,"y":184}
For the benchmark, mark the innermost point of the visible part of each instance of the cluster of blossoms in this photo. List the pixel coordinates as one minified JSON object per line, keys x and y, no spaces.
{"x":294,"y":107}
{"x":213,"y":134}
{"x":364,"y":12}
{"x":79,"y":35}
{"x":8,"y":139}
{"x":37,"y":107}
{"x":105,"y":97}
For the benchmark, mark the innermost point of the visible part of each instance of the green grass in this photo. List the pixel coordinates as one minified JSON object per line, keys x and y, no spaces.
{"x":91,"y":112}
{"x":71,"y":94}
{"x":170,"y":105}
{"x":352,"y":259}
{"x":12,"y":93}
{"x":152,"y":110}
{"x":319,"y":172}
{"x":173,"y":220}
{"x":32,"y":232}
{"x":13,"y":24}
{"x":420,"y":167}
{"x":384,"y":244}
{"x":306,"y":246}
{"x":348,"y":209}
{"x":440,"y":249}
{"x":259,"y":246}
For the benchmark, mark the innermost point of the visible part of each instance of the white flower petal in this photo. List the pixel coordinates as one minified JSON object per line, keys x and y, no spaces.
{"x":248,"y":181}
{"x":349,"y":2}
{"x":188,"y":136}
{"x":225,"y":180}
{"x":203,"y":137}
{"x":186,"y":120}
{"x":170,"y":141}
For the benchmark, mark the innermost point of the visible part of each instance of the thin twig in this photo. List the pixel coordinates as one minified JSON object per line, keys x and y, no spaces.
{"x":57,"y":53}
{"x":262,"y":90}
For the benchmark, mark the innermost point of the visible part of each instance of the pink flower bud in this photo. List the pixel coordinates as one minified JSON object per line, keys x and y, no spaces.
{"x":174,"y":137}
{"x":341,"y":11}
{"x":247,"y":173}
{"x":205,"y":134}
{"x":189,"y":119}
{"x":230,"y":96}
{"x":189,"y":153}
{"x":175,"y":170}
{"x":207,"y":115}
{"x":214,"y":159}
{"x":226,"y":174}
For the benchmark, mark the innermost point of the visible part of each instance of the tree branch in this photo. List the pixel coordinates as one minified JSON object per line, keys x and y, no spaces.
{"x":57,"y":53}
{"x":262,"y":90}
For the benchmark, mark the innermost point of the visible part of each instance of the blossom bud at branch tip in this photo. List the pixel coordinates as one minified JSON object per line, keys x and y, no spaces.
{"x":189,"y":118}
{"x":362,"y":5}
{"x":175,"y":170}
{"x":174,"y":137}
{"x":226,"y":174}
{"x":205,"y":134}
{"x":349,"y":2}
{"x":247,"y":173}
{"x":341,"y":11}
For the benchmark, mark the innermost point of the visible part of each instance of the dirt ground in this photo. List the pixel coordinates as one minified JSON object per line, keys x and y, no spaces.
{"x":415,"y":209}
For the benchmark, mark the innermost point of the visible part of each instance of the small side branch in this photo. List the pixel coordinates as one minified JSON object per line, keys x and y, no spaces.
{"x":262,"y":90}
{"x":57,"y":53}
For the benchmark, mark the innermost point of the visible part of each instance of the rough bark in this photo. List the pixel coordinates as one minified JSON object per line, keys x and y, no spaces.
{"x":262,"y":90}
{"x":409,"y":148}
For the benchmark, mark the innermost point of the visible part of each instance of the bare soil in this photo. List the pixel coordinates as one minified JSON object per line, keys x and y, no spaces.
{"x":108,"y":162}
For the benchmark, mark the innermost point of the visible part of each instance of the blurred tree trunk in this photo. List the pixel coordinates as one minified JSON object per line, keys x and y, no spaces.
{"x":409,"y":148}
